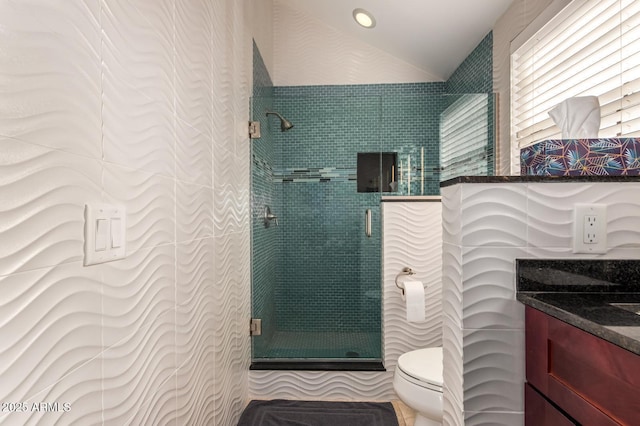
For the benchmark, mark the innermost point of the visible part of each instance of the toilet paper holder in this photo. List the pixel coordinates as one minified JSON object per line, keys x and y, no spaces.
{"x":406,"y":271}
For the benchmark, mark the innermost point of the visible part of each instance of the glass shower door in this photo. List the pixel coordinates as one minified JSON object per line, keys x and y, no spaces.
{"x":316,"y":276}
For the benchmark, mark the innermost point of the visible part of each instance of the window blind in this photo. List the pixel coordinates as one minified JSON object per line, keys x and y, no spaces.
{"x":464,"y":137}
{"x":590,"y":48}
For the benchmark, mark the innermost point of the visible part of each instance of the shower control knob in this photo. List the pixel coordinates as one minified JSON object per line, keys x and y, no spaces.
{"x":268,"y":217}
{"x":273,"y":217}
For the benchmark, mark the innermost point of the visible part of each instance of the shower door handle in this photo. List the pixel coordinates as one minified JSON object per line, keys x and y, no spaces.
{"x":367,"y":223}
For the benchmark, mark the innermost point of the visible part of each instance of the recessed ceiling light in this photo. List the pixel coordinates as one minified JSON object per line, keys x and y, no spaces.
{"x":364,"y":18}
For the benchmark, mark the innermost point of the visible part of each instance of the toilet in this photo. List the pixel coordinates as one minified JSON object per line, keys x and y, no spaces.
{"x":418,"y":383}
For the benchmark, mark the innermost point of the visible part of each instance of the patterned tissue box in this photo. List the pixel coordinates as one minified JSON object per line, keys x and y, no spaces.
{"x":582,"y":157}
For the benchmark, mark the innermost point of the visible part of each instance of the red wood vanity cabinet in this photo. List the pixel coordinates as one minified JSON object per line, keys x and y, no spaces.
{"x":574,"y":377}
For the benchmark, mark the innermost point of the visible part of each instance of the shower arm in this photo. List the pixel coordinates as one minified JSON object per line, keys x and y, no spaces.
{"x":284,"y":123}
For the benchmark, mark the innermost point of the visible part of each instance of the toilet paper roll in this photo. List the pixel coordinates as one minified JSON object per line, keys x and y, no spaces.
{"x":414,"y":299}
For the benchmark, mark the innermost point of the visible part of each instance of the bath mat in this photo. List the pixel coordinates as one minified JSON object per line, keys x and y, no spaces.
{"x":280,"y":412}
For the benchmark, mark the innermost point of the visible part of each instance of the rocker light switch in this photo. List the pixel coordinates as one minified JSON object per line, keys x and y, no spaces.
{"x":104,"y":233}
{"x":102,"y":230}
{"x":116,"y":234}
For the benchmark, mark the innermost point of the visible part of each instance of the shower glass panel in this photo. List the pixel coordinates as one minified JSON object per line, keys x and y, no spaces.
{"x":316,"y":276}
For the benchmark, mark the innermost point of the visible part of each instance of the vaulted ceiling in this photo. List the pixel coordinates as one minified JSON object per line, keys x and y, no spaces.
{"x":433,"y":35}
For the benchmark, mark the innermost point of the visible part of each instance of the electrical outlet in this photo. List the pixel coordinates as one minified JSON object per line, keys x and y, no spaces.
{"x":590,"y":225}
{"x":590,"y":228}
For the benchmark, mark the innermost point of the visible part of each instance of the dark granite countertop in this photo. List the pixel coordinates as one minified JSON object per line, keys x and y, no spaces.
{"x":544,"y":179}
{"x":597,"y":296}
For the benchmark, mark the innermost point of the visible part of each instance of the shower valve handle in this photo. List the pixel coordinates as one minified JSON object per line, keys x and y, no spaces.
{"x":268,"y":217}
{"x":273,"y":217}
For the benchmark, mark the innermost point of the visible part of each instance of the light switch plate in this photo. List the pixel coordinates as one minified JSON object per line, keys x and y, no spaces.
{"x":106,"y":215}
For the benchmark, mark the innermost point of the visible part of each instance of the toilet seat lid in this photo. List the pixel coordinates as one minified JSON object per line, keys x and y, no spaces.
{"x":423,"y":364}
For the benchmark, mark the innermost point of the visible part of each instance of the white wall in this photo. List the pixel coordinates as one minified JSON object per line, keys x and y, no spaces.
{"x":308,"y":52}
{"x":142,"y":103}
{"x":487,"y":227}
{"x":261,"y":14}
{"x":412,"y":236}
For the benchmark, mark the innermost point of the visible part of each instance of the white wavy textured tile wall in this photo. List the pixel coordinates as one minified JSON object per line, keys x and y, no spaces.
{"x":138,"y":51}
{"x":43,"y":193}
{"x":50,"y":327}
{"x":137,"y":290}
{"x":50,"y":75}
{"x":140,"y":332}
{"x":494,"y":233}
{"x":489,"y":284}
{"x":243,"y":353}
{"x":229,"y":201}
{"x":138,"y":131}
{"x":479,"y":278}
{"x":194,"y":211}
{"x":494,"y":370}
{"x":194,"y":332}
{"x":138,"y":376}
{"x":223,"y":118}
{"x":150,"y":203}
{"x":550,"y":213}
{"x":453,"y":395}
{"x":80,"y":389}
{"x":494,"y":215}
{"x":117,"y":101}
{"x":491,"y":419}
{"x":623,"y":220}
{"x":225,"y":331}
{"x":452,"y":414}
{"x":194,"y":155}
{"x":308,"y":52}
{"x":138,"y":87}
{"x":194,"y":95}
{"x":412,"y":237}
{"x":321,"y":385}
{"x":194,"y":298}
{"x":451,"y":221}
{"x":452,"y":284}
{"x":452,"y":344}
{"x":243,"y":72}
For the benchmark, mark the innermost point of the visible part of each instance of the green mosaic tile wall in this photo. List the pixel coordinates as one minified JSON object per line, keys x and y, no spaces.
{"x":475,"y":75}
{"x":329,"y":260}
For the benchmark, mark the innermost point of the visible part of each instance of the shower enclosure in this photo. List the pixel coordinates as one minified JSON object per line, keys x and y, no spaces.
{"x":320,"y":167}
{"x":316,"y":273}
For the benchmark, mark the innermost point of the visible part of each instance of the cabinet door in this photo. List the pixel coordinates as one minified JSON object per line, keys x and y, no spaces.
{"x":539,"y":412}
{"x":592,"y":380}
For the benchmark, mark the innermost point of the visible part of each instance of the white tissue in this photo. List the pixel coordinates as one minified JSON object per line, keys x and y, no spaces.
{"x":578,"y":118}
{"x":414,"y":299}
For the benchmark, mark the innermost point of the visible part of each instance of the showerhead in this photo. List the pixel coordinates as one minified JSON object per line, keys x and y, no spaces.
{"x":284,"y":123}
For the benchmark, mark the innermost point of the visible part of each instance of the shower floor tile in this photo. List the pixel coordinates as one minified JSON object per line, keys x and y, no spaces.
{"x":322,"y":345}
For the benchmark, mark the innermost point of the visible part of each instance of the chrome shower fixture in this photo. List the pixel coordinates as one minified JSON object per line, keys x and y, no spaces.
{"x":284,"y":123}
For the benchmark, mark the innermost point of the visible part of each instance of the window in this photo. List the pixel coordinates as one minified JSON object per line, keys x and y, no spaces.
{"x":590,"y":48}
{"x":464,"y":137}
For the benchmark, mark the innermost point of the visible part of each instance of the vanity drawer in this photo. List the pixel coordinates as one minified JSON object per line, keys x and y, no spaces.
{"x":539,"y":411}
{"x":592,"y":380}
